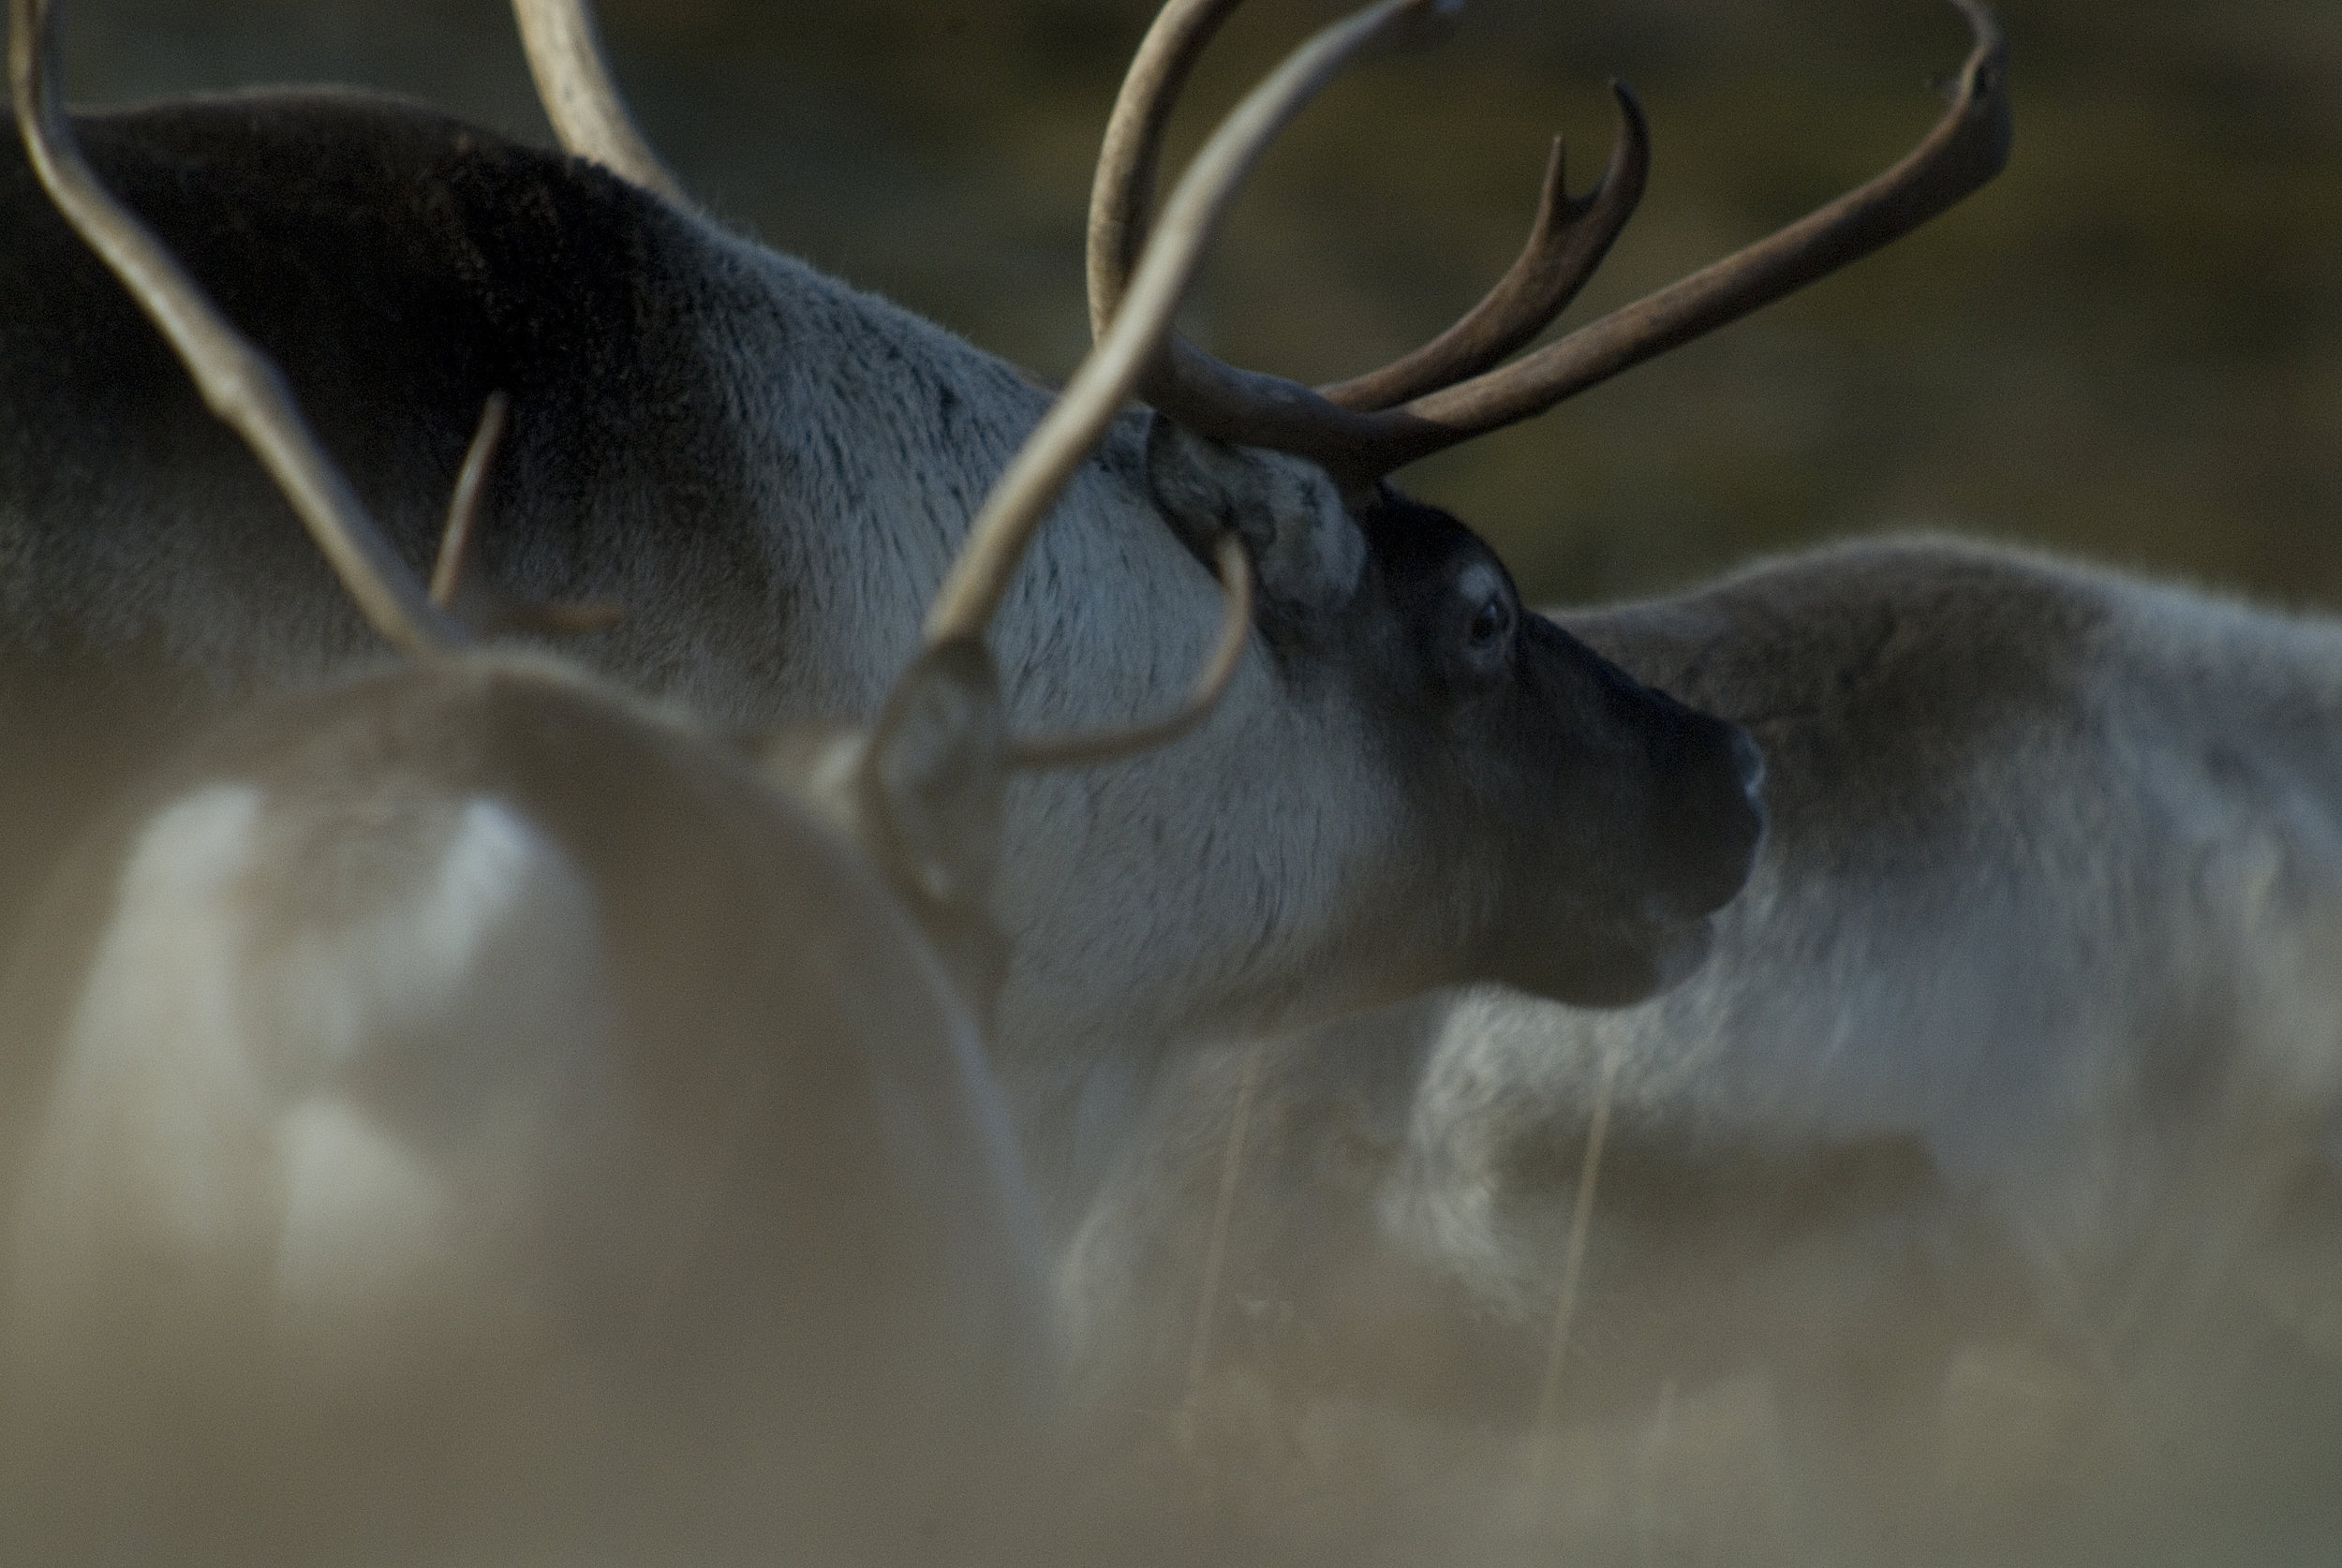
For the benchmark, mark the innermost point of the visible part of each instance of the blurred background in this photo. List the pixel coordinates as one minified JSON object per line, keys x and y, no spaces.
{"x":2129,"y":346}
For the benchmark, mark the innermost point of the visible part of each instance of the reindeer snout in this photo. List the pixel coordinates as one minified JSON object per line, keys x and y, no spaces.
{"x":1752,"y":766}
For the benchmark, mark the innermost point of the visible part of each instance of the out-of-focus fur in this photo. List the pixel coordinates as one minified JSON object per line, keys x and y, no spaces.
{"x":466,"y":1109}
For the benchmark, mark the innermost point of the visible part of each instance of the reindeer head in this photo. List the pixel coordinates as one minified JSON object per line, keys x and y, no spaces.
{"x":1607,"y":818}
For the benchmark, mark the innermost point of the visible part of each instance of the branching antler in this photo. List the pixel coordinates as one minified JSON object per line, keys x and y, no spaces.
{"x":1035,"y":477}
{"x":243,"y":387}
{"x":1142,"y":325}
{"x":1447,"y":392}
{"x":1566,"y":243}
{"x":239,"y":383}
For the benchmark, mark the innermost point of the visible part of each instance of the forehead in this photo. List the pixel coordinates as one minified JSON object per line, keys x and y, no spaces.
{"x":1413,"y":541}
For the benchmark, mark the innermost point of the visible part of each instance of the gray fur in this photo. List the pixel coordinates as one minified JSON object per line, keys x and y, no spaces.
{"x":770,"y":472}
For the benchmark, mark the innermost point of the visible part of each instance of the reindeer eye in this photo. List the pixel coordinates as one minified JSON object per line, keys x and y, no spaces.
{"x":1489,"y":623}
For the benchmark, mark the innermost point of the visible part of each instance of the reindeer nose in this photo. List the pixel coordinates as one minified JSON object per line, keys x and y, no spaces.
{"x":1752,"y":766}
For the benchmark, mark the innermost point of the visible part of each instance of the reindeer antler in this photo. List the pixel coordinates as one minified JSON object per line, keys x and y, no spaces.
{"x":1035,"y":477}
{"x":1139,"y":330}
{"x":238,"y":382}
{"x":486,"y":609}
{"x":1447,"y":392}
{"x":1235,"y":624}
{"x":574,"y":84}
{"x":243,"y":387}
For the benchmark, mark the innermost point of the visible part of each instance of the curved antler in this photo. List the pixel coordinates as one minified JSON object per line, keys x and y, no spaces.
{"x":1114,"y":367}
{"x":1363,"y":429}
{"x":1122,"y":190}
{"x":1567,"y":241}
{"x":581,"y":98}
{"x":243,"y":387}
{"x":238,"y":382}
{"x":1037,"y":474}
{"x":1235,"y":624}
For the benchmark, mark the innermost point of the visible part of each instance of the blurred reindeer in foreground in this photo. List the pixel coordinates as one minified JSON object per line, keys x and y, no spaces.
{"x":468,"y":1108}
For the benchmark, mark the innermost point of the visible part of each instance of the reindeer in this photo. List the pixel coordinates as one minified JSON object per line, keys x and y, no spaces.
{"x":472,"y":1057}
{"x":1998,"y":1139}
{"x":770,"y":471}
{"x":2005,"y":1111}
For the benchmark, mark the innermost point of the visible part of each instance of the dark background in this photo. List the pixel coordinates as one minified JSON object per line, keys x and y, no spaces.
{"x":2129,"y":346}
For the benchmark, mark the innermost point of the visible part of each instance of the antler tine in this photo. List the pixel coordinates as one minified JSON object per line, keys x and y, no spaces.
{"x":449,"y":574}
{"x":1568,"y":242}
{"x":1375,"y":433}
{"x":238,"y":382}
{"x":1965,"y":149}
{"x":1114,"y":367}
{"x":461,"y":593}
{"x":581,"y":98}
{"x":1235,"y":624}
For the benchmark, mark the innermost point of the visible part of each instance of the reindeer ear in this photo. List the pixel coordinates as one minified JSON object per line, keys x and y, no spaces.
{"x":1306,"y":548}
{"x":935,"y":772}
